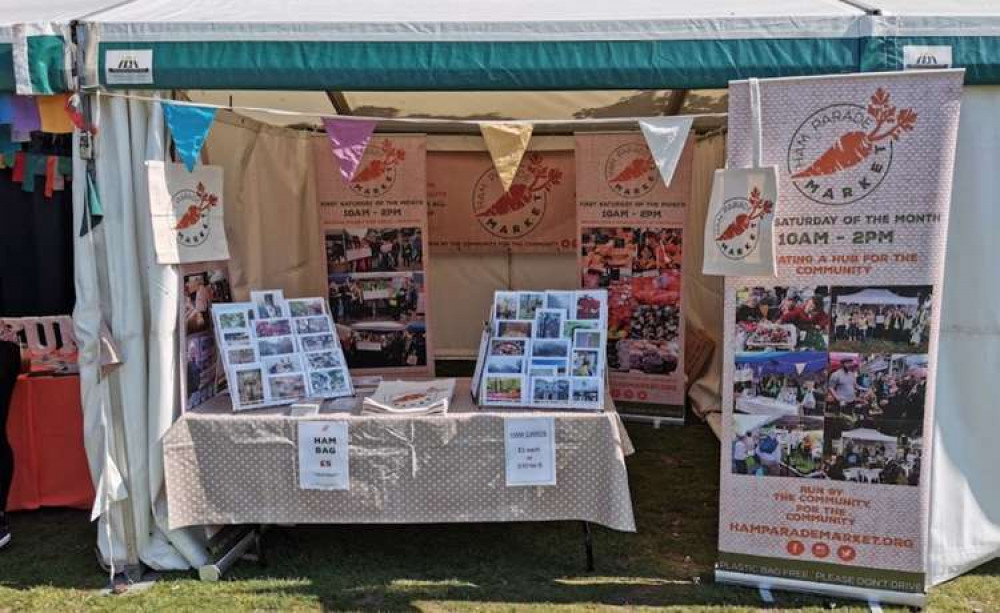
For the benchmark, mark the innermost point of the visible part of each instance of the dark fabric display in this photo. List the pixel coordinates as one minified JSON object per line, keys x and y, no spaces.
{"x":36,"y":240}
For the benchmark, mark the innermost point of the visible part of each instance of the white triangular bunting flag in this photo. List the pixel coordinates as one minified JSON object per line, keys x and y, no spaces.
{"x":507,"y":143}
{"x":665,"y":137}
{"x":800,"y":367}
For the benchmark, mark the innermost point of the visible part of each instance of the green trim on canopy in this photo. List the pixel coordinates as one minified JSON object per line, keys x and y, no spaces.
{"x":6,"y":67}
{"x":47,"y":64}
{"x":979,"y":55}
{"x":539,"y":65}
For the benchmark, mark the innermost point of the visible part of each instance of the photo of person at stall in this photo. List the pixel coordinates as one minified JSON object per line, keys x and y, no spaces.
{"x":875,"y":417}
{"x":381,"y":318}
{"x":355,"y":250}
{"x":780,"y":383}
{"x":777,"y":445}
{"x":782,"y":318}
{"x":887,"y":319}
{"x":270,"y":304}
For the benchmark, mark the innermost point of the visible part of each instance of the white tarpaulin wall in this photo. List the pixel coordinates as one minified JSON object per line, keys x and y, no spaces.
{"x":965,"y":491}
{"x":118,"y":282}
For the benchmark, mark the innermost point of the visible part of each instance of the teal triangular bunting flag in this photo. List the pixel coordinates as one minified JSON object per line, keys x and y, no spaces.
{"x":94,"y":211}
{"x":189,"y":126}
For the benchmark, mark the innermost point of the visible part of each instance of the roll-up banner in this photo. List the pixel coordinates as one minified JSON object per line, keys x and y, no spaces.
{"x":375,"y":231}
{"x":631,"y":229}
{"x":829,"y":366}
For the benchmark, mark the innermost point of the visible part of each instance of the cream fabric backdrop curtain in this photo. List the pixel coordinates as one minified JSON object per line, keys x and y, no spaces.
{"x":272,"y":212}
{"x":119,"y":283}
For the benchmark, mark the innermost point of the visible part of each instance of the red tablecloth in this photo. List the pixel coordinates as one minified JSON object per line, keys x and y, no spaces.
{"x":46,"y":431}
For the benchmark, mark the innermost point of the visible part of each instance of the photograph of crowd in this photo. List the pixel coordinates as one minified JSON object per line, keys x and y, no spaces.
{"x":641,"y":269}
{"x":782,"y":319}
{"x":893,"y":319}
{"x":781,"y":383}
{"x":874,"y":418}
{"x":380,"y":318}
{"x":777,"y":446}
{"x":374,"y":250}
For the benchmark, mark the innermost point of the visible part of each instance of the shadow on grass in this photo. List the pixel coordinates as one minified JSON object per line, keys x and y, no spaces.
{"x":667,"y":563}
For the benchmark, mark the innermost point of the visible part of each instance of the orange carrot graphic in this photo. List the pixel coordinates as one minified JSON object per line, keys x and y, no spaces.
{"x":519,"y":194}
{"x":852,"y":148}
{"x":635,"y":169}
{"x":377,"y":167}
{"x":758,"y":208}
{"x":195,"y":212}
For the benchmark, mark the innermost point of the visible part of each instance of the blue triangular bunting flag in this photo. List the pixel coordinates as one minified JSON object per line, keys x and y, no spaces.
{"x":189,"y":126}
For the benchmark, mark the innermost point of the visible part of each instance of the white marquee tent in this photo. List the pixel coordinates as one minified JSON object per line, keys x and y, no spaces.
{"x":515,"y":45}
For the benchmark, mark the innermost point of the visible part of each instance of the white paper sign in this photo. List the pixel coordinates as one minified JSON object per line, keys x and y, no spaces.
{"x":530,"y":450}
{"x":187,"y":213}
{"x":323,"y":455}
{"x":922,"y":57}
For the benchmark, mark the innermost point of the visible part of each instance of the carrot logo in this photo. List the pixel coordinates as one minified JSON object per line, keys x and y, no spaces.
{"x":519,"y":210}
{"x":193,"y":207}
{"x":737,"y":225}
{"x":630,"y":170}
{"x":377,"y":173}
{"x":842,"y":152}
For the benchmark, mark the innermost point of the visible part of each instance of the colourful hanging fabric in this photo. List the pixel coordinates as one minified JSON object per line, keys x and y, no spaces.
{"x":6,"y":108}
{"x":50,"y":174}
{"x":54,"y":118}
{"x":19,"y":162}
{"x":25,"y":114}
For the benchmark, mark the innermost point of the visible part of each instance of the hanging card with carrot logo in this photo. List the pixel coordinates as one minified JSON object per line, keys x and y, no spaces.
{"x":739,"y":235}
{"x":187,"y":214}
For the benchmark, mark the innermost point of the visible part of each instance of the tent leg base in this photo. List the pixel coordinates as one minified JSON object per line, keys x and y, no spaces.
{"x":243,"y":541}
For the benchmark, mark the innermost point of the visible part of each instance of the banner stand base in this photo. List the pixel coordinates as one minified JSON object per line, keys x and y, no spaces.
{"x":822,"y":589}
{"x":653,"y":420}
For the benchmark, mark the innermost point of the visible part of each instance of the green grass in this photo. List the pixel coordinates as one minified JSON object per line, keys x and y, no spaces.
{"x":481,"y":567}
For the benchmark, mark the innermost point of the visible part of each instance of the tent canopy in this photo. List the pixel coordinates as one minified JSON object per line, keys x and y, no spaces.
{"x":867,"y":434}
{"x":385,"y":45}
{"x":783,"y":362}
{"x":877,"y":296}
{"x":40,"y":33}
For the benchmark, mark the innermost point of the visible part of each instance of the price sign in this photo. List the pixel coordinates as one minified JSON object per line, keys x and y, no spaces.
{"x":530,"y":450}
{"x":323,"y":455}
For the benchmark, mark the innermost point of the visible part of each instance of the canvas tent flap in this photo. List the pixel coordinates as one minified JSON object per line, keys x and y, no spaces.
{"x":35,"y":44}
{"x":455,"y":45}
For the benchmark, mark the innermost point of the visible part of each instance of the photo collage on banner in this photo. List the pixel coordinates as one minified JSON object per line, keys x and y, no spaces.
{"x":277,"y":351}
{"x":631,"y":229}
{"x":469,"y":211}
{"x":829,"y":367}
{"x":202,"y":286}
{"x":375,"y":232}
{"x":546,"y":349}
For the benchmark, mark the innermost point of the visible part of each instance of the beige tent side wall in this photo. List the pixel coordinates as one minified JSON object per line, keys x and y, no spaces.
{"x":275,"y":238}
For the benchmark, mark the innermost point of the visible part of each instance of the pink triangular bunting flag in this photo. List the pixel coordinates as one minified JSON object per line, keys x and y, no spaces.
{"x":348,"y":141}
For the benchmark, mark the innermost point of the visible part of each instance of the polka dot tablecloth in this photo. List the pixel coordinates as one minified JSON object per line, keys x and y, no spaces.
{"x":240,"y":468}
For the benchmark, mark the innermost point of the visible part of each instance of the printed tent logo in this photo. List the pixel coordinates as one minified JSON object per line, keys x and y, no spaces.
{"x":518,"y":211}
{"x":841,"y":153}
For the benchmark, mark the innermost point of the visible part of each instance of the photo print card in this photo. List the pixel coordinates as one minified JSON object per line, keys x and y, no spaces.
{"x":546,"y":349}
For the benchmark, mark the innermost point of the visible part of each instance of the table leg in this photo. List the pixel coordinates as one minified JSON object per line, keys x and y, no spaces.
{"x":588,"y":545}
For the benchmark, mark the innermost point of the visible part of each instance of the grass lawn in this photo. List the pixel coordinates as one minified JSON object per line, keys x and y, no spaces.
{"x":491,"y":567}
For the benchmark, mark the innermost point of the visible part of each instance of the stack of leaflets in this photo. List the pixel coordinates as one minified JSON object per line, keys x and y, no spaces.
{"x":545,"y":349}
{"x":410,"y":397}
{"x":278,"y":351}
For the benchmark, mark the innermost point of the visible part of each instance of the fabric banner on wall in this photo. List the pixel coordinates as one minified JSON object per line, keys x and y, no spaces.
{"x":375,"y":231}
{"x":470,"y":212}
{"x":829,"y":368}
{"x":631,"y":230}
{"x":202,"y":285}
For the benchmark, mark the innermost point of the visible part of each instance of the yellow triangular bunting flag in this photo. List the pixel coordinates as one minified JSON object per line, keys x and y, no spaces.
{"x":507,"y":143}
